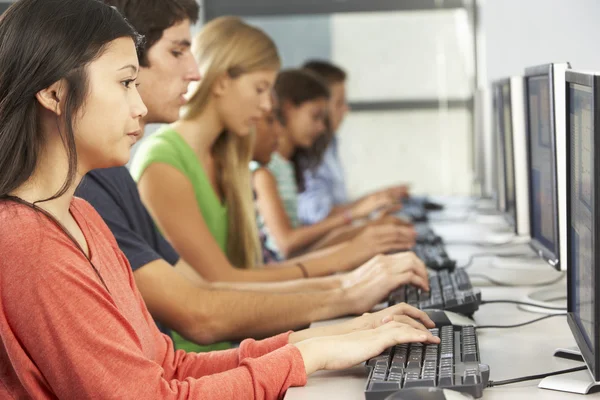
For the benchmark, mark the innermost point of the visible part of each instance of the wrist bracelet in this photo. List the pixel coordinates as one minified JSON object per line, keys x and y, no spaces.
{"x":303,"y":269}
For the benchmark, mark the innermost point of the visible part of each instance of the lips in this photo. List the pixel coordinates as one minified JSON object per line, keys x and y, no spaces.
{"x":135,"y":135}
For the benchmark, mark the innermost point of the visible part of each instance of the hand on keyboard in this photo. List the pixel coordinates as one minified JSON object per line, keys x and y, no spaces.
{"x":400,"y":313}
{"x":372,"y":283}
{"x":380,"y":239}
{"x":345,"y":351}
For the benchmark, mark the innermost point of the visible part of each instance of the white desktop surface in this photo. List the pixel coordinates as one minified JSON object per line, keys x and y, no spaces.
{"x":510,"y":353}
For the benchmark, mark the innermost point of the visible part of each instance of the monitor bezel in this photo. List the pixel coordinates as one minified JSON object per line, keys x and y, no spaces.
{"x":544,"y":252}
{"x":511,"y":220}
{"x":591,"y":358}
{"x":499,"y":167}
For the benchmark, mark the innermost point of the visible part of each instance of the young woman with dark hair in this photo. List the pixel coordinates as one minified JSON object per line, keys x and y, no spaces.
{"x":72,"y":323}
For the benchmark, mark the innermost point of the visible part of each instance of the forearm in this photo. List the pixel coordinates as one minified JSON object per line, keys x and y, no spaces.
{"x":292,"y":240}
{"x":339,"y":258}
{"x":258,"y":315}
{"x":294,"y":286}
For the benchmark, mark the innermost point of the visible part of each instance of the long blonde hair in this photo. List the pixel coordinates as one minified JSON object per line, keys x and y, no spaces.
{"x":228,"y":46}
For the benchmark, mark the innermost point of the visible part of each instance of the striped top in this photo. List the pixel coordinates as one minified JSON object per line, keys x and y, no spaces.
{"x":283,"y":172}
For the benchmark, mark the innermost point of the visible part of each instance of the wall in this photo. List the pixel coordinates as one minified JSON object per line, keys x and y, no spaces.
{"x":521,"y":33}
{"x":394,"y":56}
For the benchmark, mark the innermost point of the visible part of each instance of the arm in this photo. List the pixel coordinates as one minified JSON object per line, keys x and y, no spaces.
{"x":289,"y":239}
{"x":170,"y":199}
{"x":296,"y":285}
{"x":197,"y":312}
{"x":102,"y":357}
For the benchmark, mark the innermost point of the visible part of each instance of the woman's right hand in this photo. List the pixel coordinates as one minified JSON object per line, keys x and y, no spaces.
{"x":345,"y":351}
{"x":373,"y":202}
{"x":384,"y":238}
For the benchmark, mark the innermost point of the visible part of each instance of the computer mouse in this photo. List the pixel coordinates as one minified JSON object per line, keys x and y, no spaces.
{"x":442,"y":318}
{"x":429,"y":393}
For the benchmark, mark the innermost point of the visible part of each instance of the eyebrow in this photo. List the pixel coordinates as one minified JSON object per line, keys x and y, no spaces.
{"x":133,"y":68}
{"x":183,"y":43}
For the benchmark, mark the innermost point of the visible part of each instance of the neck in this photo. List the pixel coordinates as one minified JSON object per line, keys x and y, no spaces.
{"x":47,"y":180}
{"x":285,"y":147}
{"x":202,"y":131}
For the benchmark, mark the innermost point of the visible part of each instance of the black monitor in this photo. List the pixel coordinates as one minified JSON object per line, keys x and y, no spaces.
{"x":583,"y":223}
{"x":541,"y":153}
{"x":498,"y":107}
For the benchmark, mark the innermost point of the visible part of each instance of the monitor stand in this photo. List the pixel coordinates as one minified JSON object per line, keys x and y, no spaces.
{"x":524,"y":270}
{"x":580,"y":382}
{"x":552,"y":296}
{"x":569,"y":353}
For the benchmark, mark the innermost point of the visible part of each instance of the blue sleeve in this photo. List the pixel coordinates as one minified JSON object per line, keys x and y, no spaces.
{"x":317,"y":201}
{"x":113,"y":193}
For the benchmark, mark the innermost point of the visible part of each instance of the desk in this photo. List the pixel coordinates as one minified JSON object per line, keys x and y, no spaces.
{"x":510,"y":353}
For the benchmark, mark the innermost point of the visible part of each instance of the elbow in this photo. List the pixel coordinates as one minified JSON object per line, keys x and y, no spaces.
{"x":203,"y":329}
{"x":285,"y":249}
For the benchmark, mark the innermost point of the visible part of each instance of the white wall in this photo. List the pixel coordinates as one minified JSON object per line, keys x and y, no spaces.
{"x":523,"y":33}
{"x":406,"y":56}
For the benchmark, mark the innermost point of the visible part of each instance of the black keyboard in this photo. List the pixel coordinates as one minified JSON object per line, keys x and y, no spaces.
{"x":453,"y":364}
{"x":414,"y":213}
{"x":434,"y":256}
{"x":450,"y":291}
{"x":425,"y":234}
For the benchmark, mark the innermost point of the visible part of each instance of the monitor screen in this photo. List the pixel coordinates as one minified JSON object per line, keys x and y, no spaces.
{"x":581,"y":211}
{"x":542,"y":167}
{"x":506,"y":133}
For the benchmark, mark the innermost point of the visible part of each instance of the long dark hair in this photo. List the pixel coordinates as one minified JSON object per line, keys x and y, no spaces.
{"x":296,"y":86}
{"x":42,"y":42}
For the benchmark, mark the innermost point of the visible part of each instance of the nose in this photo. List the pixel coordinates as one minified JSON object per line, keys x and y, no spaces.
{"x":266,"y":104}
{"x":192,"y":70}
{"x":138,"y":108}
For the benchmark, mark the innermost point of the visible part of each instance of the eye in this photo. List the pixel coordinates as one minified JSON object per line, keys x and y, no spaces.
{"x":127,"y":83}
{"x":176,"y":53}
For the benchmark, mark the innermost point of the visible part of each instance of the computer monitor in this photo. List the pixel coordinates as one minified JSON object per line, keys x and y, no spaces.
{"x":498,"y":154}
{"x":512,"y":150}
{"x":482,"y":143}
{"x":546,"y":158}
{"x":583,"y":219}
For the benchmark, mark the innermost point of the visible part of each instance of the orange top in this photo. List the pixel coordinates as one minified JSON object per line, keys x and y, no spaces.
{"x":63,"y":335}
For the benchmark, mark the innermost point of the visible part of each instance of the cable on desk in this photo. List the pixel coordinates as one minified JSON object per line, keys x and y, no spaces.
{"x":495,"y":282}
{"x":534,"y":377}
{"x":522,"y":303}
{"x":518,"y":325}
{"x":472,"y":257}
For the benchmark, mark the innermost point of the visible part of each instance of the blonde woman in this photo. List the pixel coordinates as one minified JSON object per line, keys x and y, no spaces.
{"x":193,"y":176}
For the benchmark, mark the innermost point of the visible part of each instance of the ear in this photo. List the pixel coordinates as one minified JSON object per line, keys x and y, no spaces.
{"x":221,"y":85}
{"x":52,"y":98}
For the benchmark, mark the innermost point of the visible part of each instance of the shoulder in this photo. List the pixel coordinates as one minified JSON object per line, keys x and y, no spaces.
{"x":94,"y":220}
{"x":162,"y":146}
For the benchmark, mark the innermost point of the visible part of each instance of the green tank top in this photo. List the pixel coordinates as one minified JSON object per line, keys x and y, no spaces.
{"x":168,"y":147}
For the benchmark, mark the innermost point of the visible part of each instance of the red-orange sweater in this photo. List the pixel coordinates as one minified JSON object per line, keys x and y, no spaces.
{"x":63,"y":335}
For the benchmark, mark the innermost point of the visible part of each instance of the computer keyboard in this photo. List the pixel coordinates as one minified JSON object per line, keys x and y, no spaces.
{"x":453,"y":364}
{"x":434,"y":256}
{"x":414,"y":213}
{"x":451,"y":291}
{"x":425,"y":234}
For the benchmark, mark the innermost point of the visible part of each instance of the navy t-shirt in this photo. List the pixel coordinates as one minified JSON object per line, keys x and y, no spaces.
{"x":114,"y":194}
